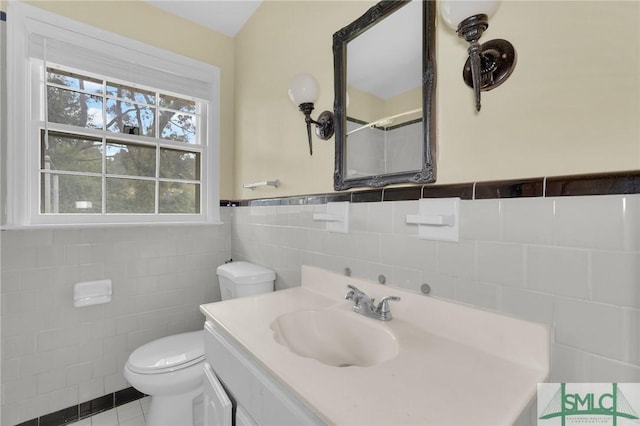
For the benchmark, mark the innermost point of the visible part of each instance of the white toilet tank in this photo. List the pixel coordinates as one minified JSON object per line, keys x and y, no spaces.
{"x":240,"y":279}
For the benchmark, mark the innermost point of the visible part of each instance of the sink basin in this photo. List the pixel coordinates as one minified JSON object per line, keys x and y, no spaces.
{"x":335,"y":338}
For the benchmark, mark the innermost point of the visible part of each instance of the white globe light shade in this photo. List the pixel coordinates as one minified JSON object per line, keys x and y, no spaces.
{"x":304,"y":88}
{"x":455,"y":11}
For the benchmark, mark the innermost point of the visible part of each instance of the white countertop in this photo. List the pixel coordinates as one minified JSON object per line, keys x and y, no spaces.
{"x":456,"y":365}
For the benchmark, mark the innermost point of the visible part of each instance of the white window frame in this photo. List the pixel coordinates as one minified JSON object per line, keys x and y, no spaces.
{"x":23,"y":144}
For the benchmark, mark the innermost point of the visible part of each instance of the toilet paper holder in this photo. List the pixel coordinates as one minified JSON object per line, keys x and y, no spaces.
{"x":92,"y":293}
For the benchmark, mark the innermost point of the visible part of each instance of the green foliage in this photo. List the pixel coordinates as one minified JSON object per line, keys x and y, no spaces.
{"x":73,"y":153}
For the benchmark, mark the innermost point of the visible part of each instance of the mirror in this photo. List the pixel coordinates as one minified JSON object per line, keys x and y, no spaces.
{"x":384,"y":81}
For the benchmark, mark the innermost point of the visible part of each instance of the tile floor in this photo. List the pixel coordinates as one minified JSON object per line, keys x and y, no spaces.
{"x":131,"y":414}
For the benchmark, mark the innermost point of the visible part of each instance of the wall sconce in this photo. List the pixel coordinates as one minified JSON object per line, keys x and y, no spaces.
{"x":304,"y":91}
{"x":489,"y":64}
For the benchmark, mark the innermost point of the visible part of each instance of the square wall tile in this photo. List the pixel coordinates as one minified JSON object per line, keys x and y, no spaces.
{"x":392,"y":249}
{"x":633,"y":319}
{"x":567,"y":364}
{"x":442,"y":286}
{"x":592,"y":327}
{"x":367,"y":246}
{"x":527,"y":220}
{"x":400,"y":211}
{"x":409,"y":279}
{"x":480,"y":220}
{"x":358,"y":217}
{"x":378,"y":269}
{"x":528,"y":305}
{"x":456,"y":259}
{"x":420,"y":254}
{"x":380,"y":217}
{"x":592,"y":222}
{"x":604,"y":370}
{"x":558,"y":271}
{"x":632,"y":222}
{"x":478,"y":293}
{"x":349,"y":267}
{"x":615,"y":278}
{"x":500,"y":263}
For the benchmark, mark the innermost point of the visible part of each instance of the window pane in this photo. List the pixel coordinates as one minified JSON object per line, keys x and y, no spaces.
{"x":71,"y":153}
{"x":177,"y":197}
{"x":131,"y":93}
{"x":74,"y":108}
{"x":74,"y":81}
{"x":176,"y":164}
{"x":132,"y":160}
{"x":178,"y":104}
{"x":130,"y":196}
{"x":177,"y":127}
{"x":120,"y":114}
{"x":70,"y":194}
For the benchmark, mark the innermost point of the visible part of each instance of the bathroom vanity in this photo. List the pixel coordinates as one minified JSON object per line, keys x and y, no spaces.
{"x":301,"y":356}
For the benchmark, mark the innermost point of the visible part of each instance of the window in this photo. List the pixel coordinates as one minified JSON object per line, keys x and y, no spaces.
{"x":109,"y":130}
{"x":110,"y":148}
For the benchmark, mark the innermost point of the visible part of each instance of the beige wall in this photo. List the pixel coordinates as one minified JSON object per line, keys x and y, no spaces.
{"x":284,"y":38}
{"x":368,"y":107}
{"x":571,"y":105}
{"x":364,"y":105}
{"x":140,"y":21}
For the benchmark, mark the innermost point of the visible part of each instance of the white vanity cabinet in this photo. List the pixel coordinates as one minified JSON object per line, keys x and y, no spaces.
{"x":259,"y":398}
{"x":217,"y":405}
{"x":481,"y":369}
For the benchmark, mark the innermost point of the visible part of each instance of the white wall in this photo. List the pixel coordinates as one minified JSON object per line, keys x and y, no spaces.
{"x":570,"y":262}
{"x":54,"y":355}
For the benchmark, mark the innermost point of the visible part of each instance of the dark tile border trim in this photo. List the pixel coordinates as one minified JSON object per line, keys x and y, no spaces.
{"x":625,"y":182}
{"x":597,"y":184}
{"x":86,"y":409}
{"x":402,"y":193}
{"x":462,"y":190}
{"x":509,"y":189}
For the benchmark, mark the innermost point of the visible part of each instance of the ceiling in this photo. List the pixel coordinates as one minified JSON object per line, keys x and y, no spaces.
{"x":386,"y":59}
{"x":224,"y":16}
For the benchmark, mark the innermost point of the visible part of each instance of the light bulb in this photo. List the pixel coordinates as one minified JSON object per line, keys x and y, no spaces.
{"x":304,"y":88}
{"x":455,"y":11}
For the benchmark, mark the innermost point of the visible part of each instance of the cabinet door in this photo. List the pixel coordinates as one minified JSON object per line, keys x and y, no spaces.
{"x":217,"y":406}
{"x":243,"y":418}
{"x":258,"y":393}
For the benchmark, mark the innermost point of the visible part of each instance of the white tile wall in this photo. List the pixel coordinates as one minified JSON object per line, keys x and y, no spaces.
{"x":571,"y":262}
{"x":54,"y":355}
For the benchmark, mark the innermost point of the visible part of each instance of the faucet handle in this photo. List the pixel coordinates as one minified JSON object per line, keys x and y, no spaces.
{"x":354,"y":288}
{"x":383,"y":306}
{"x":357,"y":296}
{"x":353,"y":292}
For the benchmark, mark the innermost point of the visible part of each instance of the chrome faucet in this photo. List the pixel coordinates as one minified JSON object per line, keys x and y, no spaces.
{"x":364,"y":305}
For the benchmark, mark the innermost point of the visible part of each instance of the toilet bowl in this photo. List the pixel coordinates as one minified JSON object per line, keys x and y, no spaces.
{"x":170,"y":369}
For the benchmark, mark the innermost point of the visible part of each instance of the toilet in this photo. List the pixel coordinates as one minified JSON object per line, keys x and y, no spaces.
{"x":170,"y":369}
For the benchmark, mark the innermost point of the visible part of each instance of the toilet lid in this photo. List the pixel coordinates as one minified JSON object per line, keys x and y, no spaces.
{"x":168,"y":353}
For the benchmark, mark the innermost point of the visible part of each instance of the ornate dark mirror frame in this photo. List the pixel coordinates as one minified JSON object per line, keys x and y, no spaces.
{"x":340,"y":40}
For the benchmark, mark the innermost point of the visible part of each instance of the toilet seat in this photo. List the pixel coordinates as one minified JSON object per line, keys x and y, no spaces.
{"x":168,"y":354}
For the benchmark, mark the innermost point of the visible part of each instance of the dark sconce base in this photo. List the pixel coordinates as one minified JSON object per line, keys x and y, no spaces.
{"x":489,"y":64}
{"x":497,"y":62}
{"x":324,"y":124}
